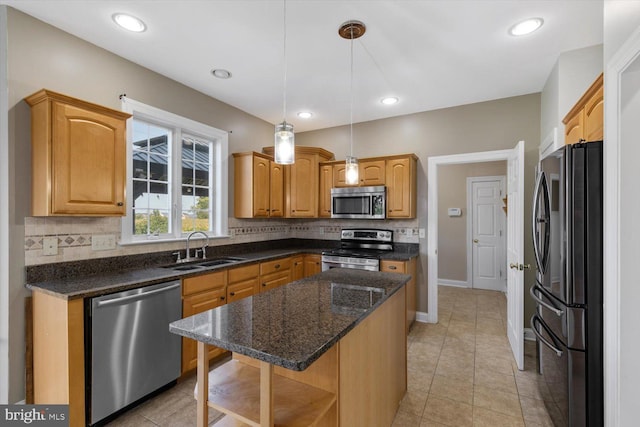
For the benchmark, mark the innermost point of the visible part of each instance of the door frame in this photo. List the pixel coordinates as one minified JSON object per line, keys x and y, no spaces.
{"x":503,"y":255}
{"x":432,"y":215}
{"x":619,"y":298}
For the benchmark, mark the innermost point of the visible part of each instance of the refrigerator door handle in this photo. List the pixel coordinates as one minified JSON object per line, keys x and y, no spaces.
{"x":539,"y":300}
{"x":541,"y":189}
{"x":535,"y":319}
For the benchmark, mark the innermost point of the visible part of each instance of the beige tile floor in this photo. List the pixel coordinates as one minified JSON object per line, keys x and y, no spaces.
{"x":461,"y":373}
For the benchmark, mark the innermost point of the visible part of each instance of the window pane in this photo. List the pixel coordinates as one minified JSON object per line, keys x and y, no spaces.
{"x":151,"y":199}
{"x":195,"y":221}
{"x":202,"y":192}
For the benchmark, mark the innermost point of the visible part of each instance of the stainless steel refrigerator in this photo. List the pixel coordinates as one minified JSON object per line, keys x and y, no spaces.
{"x":567,"y":236}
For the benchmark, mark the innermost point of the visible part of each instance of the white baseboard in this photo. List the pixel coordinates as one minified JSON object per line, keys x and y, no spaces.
{"x":529,"y":335}
{"x":422,"y":317}
{"x":22,"y":402}
{"x":455,"y":283}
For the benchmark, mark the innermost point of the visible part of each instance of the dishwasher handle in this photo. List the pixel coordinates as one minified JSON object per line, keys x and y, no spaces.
{"x":141,"y":295}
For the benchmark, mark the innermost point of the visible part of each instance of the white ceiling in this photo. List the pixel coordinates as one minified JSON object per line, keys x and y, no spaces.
{"x":430,"y":53}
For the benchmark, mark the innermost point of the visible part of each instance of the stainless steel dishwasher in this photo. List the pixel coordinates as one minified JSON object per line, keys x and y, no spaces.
{"x":132,"y":351}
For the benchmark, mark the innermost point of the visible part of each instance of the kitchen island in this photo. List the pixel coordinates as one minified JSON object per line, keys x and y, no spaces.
{"x":328,"y":350}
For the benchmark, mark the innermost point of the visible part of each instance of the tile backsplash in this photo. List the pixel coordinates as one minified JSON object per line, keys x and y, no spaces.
{"x":74,"y":235}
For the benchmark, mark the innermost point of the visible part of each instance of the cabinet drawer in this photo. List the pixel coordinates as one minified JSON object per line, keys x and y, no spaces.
{"x":243,"y":289}
{"x":194,"y":304}
{"x":275,"y":266}
{"x":392,"y":266}
{"x":244,"y":273}
{"x":274,"y":280}
{"x":204,"y":282}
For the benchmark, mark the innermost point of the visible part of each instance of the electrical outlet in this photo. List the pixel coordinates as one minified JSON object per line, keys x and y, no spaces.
{"x":104,"y":242}
{"x":50,"y":246}
{"x":421,"y":233}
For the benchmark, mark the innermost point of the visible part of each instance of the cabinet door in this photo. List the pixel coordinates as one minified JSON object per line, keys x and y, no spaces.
{"x":372,"y":172}
{"x":312,"y":264}
{"x":326,"y":182}
{"x":339,"y":176}
{"x":243,"y":289}
{"x":297,"y":268}
{"x":303,"y":187}
{"x":594,"y":117}
{"x":405,"y":267}
{"x":261,"y":183}
{"x":276,"y":190}
{"x":401,"y":188}
{"x":194,"y":304}
{"x":574,"y":128}
{"x":88,"y":162}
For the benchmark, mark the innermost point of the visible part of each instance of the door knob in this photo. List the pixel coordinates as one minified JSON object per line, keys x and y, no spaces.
{"x":519,"y":266}
{"x":475,"y":240}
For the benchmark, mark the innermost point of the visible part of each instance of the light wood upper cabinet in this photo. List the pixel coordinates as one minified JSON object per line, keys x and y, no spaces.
{"x":370,"y":172}
{"x":302,"y":181}
{"x":78,"y":157}
{"x":401,"y":186}
{"x":585,"y":120}
{"x":259,"y":186}
{"x":326,"y":182}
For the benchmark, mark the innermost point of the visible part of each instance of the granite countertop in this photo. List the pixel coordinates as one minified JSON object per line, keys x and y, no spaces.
{"x":78,"y":285}
{"x":293,"y":325}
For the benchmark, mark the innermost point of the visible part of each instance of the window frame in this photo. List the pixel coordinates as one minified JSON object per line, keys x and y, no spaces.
{"x":219,"y":172}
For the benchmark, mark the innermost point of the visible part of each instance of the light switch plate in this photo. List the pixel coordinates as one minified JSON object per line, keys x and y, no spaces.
{"x":421,"y":233}
{"x":50,"y":245}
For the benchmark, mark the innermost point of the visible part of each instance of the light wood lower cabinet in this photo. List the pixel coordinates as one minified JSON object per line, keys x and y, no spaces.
{"x":405,"y":267}
{"x":201,"y":293}
{"x":297,"y":267}
{"x":243,"y":282}
{"x":58,"y":354}
{"x":275,"y":273}
{"x":312,"y":264}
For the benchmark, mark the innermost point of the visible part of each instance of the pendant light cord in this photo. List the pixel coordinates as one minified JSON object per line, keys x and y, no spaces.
{"x":284,"y":49}
{"x":351,"y":100}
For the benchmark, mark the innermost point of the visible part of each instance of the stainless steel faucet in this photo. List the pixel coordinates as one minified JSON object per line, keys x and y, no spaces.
{"x":188,"y":256}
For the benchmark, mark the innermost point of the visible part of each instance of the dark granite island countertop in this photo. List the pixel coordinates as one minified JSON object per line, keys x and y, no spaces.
{"x":293,"y":325}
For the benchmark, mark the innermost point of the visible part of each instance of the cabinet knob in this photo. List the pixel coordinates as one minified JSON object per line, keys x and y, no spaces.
{"x":233,"y":294}
{"x":277,"y":266}
{"x":222,"y":298}
{"x":264,"y":284}
{"x":119,"y":203}
{"x":393,"y":267}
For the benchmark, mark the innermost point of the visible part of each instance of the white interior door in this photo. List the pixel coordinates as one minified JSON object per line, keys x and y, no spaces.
{"x":515,"y":252}
{"x":487,"y":233}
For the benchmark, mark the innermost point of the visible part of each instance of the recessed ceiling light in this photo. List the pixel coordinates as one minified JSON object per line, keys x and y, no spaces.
{"x":525,"y":27}
{"x":305,"y":114}
{"x":221,"y":73}
{"x":390,"y":100}
{"x":129,"y":22}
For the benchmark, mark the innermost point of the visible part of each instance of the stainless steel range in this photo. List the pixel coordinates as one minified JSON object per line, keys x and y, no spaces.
{"x":359,"y":248}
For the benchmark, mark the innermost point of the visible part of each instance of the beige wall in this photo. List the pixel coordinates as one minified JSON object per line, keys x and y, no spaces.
{"x":452,"y":231}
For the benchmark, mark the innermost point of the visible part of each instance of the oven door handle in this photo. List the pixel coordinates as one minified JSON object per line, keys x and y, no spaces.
{"x":535,"y":319}
{"x":554,"y":309}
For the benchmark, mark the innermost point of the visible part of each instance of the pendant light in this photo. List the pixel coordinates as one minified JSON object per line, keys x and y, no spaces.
{"x":284,"y":139}
{"x":351,"y":30}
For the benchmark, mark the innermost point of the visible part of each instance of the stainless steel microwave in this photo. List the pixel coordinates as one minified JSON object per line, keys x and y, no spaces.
{"x":359,"y":202}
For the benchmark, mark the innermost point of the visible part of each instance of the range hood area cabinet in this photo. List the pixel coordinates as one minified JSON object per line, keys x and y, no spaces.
{"x":398,"y":173}
{"x":78,"y":157}
{"x":585,"y":121}
{"x":259,"y":186}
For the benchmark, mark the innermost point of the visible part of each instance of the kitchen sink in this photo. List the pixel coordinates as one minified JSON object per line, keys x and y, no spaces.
{"x":201,"y":265}
{"x":184,"y":267}
{"x":220,"y":261}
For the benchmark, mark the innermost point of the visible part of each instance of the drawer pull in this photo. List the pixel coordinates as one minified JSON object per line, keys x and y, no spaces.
{"x":233,"y":294}
{"x":276,"y":266}
{"x":264,"y":284}
{"x":393,"y":267}
{"x":221,"y":298}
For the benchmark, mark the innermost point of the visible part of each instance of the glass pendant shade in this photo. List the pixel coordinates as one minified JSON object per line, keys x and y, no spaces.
{"x":351,"y":171}
{"x":284,"y":144}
